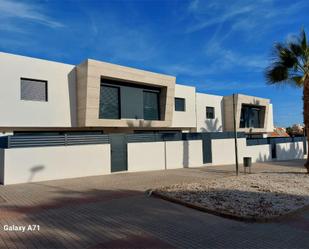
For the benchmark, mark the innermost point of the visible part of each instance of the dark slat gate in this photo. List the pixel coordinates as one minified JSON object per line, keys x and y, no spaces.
{"x":118,"y":152}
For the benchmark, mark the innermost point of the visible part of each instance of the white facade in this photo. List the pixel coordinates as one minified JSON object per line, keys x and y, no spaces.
{"x":61,"y":110}
{"x":58,"y":111}
{"x":202,"y":123}
{"x":187,"y":118}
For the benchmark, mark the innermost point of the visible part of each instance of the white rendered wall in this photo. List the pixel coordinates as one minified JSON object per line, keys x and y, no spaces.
{"x":286,"y":151}
{"x":49,"y":163}
{"x":270,"y":119}
{"x":209,"y":125}
{"x":186,"y":119}
{"x":259,"y":153}
{"x":59,"y":111}
{"x":164,"y":155}
{"x":146,"y":156}
{"x":223,"y":151}
{"x":184,"y":154}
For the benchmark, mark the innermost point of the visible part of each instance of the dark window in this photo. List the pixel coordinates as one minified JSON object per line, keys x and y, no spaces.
{"x":252,"y":116}
{"x":210,"y":112}
{"x":109,"y":102}
{"x":151,"y":105}
{"x":31,"y":89}
{"x":180,"y":104}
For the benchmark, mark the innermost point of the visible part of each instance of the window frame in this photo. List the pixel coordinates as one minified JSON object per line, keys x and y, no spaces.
{"x":35,"y":80}
{"x":213,"y":112}
{"x":184,"y":104}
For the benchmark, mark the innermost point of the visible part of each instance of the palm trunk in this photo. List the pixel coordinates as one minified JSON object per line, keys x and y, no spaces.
{"x":306,"y":117}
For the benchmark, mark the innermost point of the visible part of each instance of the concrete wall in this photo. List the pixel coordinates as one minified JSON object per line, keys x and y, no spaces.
{"x":49,"y":163}
{"x":259,"y":153}
{"x":184,"y":154}
{"x":286,"y":151}
{"x":223,"y":151}
{"x":209,"y":125}
{"x":58,"y":111}
{"x":187,"y":118}
{"x":164,"y":155}
{"x":146,"y":156}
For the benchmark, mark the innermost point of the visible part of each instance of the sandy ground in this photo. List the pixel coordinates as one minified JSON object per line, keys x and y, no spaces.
{"x":262,"y":195}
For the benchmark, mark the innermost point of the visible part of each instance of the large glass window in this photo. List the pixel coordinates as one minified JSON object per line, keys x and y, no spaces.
{"x":109,"y":102}
{"x":180,"y":104}
{"x":32,"y":89}
{"x":151,"y":105}
{"x":210,"y":112}
{"x":252,"y":116}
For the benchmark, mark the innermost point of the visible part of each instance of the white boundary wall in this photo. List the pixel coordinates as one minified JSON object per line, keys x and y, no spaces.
{"x":259,"y":153}
{"x":184,"y":154}
{"x":286,"y":151}
{"x":164,"y":155}
{"x":35,"y":164}
{"x":146,"y":156}
{"x":21,"y":165}
{"x":223,"y":151}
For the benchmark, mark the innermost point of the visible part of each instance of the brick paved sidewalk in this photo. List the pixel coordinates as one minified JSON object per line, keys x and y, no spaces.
{"x":113,"y":212}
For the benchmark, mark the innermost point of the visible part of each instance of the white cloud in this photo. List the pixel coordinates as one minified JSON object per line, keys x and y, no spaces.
{"x":232,"y":85}
{"x":241,"y":15}
{"x":120,"y":40}
{"x":225,"y":59}
{"x":11,"y":11}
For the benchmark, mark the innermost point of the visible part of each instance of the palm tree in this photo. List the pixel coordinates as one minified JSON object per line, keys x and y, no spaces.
{"x":291,"y":65}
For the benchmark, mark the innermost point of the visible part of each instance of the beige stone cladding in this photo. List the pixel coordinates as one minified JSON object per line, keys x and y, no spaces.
{"x":239,"y":100}
{"x":89,"y":74}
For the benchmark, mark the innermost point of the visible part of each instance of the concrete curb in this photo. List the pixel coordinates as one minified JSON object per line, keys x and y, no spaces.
{"x":248,"y":219}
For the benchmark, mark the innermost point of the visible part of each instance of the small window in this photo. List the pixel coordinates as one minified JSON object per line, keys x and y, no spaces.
{"x":210,"y":112}
{"x":32,"y":89}
{"x":180,"y":104}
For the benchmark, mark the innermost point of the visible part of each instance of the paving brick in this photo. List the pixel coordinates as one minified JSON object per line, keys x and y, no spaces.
{"x":113,"y":212}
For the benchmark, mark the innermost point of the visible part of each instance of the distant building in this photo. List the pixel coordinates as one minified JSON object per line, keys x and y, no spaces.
{"x":278,"y":132}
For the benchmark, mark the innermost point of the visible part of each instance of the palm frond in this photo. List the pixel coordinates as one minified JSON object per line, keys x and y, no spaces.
{"x":303,"y":39}
{"x":276,"y":73}
{"x":290,"y":64}
{"x":296,"y":49}
{"x":298,"y":80}
{"x":285,"y":56}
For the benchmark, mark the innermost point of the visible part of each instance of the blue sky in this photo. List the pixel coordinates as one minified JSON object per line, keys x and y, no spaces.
{"x":221,"y":47}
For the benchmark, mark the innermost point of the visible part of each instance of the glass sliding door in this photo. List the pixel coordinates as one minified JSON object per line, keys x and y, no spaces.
{"x":151,"y":105}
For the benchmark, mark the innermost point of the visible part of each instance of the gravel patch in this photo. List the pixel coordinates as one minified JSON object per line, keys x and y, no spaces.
{"x":263,"y":195}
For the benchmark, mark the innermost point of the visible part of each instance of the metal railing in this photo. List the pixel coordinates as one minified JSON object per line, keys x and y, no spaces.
{"x":58,"y":140}
{"x":274,"y":140}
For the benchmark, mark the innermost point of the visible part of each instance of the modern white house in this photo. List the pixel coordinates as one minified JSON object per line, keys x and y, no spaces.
{"x":63,"y":121}
{"x":50,"y":97}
